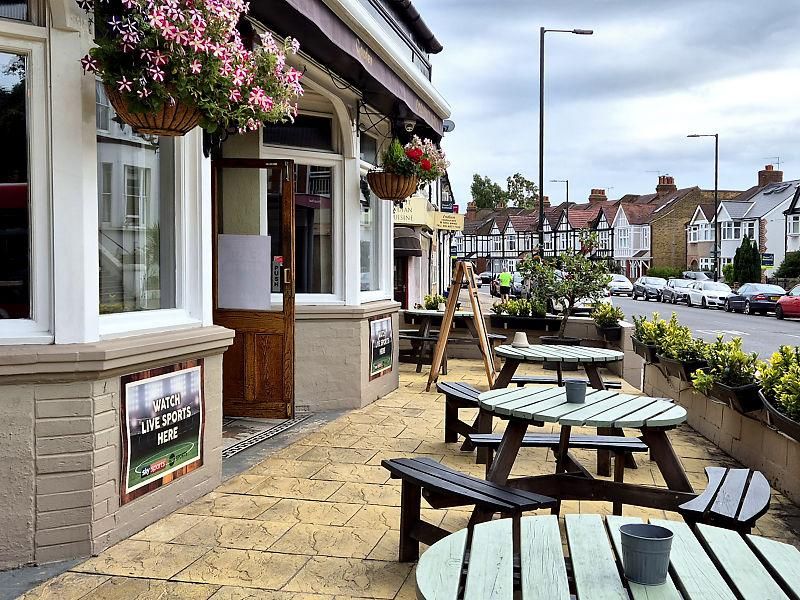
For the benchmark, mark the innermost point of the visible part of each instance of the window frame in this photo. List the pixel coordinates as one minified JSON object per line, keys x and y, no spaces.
{"x":382,"y":229}
{"x":793,"y":227}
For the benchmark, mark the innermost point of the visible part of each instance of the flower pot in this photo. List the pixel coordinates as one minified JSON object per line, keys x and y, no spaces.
{"x":671,"y":366}
{"x":645,"y":552}
{"x":516,"y":322}
{"x":173,"y":120}
{"x":646,"y":351}
{"x":576,"y":391}
{"x":610,"y":334}
{"x":745,"y":398}
{"x":688,"y":367}
{"x":779,"y":420}
{"x":390,"y":186}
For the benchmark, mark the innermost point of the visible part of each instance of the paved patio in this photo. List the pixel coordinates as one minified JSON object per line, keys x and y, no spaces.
{"x":318,"y":520}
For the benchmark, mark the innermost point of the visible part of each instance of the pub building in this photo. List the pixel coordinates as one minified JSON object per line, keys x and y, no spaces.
{"x":149,"y":286}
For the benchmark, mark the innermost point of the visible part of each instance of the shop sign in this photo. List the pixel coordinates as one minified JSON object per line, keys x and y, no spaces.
{"x":449,"y":221}
{"x":163,"y":426}
{"x":768,"y":260}
{"x":380,"y":346}
{"x":414,"y":211}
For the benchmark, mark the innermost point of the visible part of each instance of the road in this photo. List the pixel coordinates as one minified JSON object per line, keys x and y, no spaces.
{"x":760,"y":334}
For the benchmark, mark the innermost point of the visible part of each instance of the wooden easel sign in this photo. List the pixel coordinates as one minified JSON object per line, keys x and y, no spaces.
{"x":464,"y":275}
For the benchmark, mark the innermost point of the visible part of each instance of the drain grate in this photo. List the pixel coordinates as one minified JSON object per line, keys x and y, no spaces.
{"x":264,"y":435}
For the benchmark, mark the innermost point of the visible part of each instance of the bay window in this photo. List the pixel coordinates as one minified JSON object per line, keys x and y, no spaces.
{"x":731,"y":231}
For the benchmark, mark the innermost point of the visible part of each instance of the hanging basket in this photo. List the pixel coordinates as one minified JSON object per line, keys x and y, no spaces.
{"x":173,"y":120}
{"x":390,"y":186}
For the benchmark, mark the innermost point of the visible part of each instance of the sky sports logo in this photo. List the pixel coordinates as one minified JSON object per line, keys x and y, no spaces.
{"x":155,"y":467}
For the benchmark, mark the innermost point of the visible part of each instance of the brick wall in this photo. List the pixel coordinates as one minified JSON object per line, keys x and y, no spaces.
{"x":668,"y":232}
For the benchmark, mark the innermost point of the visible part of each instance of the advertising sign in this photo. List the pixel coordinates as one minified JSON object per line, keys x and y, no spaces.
{"x":449,"y":221}
{"x":768,"y":260}
{"x":380,"y":346}
{"x":163,"y":422}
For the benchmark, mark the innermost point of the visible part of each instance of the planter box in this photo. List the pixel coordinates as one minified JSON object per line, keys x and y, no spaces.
{"x":646,"y":351}
{"x":745,"y":399}
{"x":681,"y":369}
{"x":520,"y":323}
{"x":611,"y":334}
{"x":780,"y":421}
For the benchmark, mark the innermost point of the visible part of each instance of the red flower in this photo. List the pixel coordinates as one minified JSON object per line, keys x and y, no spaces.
{"x":425,"y":164}
{"x":414,"y":154}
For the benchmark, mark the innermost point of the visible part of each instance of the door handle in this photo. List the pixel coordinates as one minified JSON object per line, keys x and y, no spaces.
{"x":287,"y":276}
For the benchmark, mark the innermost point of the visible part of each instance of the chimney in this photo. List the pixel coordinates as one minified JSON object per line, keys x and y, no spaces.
{"x":666,"y":185}
{"x":546,"y":201}
{"x":472,"y":210}
{"x":769,"y":175}
{"x":597,"y":195}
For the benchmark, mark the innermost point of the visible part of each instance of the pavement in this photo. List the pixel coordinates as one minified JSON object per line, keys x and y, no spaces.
{"x":318,"y":519}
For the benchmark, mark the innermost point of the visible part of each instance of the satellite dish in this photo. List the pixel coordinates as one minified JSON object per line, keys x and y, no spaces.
{"x":448,"y":125}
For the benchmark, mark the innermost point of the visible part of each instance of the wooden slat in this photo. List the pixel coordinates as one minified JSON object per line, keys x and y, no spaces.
{"x":668,"y":591}
{"x":757,"y":499}
{"x":740,"y":564}
{"x":650,"y":412}
{"x":730,"y":493}
{"x":553,"y":397}
{"x":608,"y":418}
{"x":700,"y":505}
{"x":555,"y":414}
{"x":674,"y":416}
{"x":500,"y":396}
{"x":593,"y":564}
{"x":783,"y":561}
{"x":692,"y":570}
{"x":596,"y":410}
{"x":439,"y":570}
{"x":543,"y":573}
{"x":491,"y":565}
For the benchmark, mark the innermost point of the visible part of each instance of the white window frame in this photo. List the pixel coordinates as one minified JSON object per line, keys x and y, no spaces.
{"x":382,"y":228}
{"x":38,"y":329}
{"x":793,"y":225}
{"x":694,"y":233}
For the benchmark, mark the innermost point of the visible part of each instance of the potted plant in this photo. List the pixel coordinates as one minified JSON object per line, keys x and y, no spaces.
{"x":780,"y":390}
{"x":579,"y":278}
{"x":404,"y":169}
{"x":607,"y":321}
{"x":525,"y":313}
{"x":169,"y":65}
{"x":432,"y":301}
{"x":731,"y":375}
{"x":680,"y":353}
{"x":646,"y":335}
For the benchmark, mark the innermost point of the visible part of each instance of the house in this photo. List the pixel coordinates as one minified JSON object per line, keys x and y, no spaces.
{"x":792,"y":226}
{"x":631,"y":235}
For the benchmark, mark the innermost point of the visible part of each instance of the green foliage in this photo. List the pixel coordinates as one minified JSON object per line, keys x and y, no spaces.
{"x":664,"y":272}
{"x":790,"y":267}
{"x":581,"y":279}
{"x":728,"y":364}
{"x":521,"y":192}
{"x":728,"y":273}
{"x":520,"y":308}
{"x":649,"y":331}
{"x":747,"y":262}
{"x":677,"y":343}
{"x":432,"y":301}
{"x":780,"y":380}
{"x":487,"y":194}
{"x":394,"y":160}
{"x":606,"y":315}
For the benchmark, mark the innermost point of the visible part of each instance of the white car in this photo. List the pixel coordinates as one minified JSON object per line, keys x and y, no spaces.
{"x":621,"y":285}
{"x":707,"y":294}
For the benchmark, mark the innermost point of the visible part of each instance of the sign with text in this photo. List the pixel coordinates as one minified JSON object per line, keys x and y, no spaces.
{"x":163,"y":422}
{"x":449,"y":221}
{"x":380,"y":346}
{"x":768,"y":260}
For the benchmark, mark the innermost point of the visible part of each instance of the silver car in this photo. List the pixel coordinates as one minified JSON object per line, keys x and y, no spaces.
{"x":620,"y":285}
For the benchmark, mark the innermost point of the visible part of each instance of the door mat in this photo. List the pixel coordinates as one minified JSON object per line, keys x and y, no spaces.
{"x":240,"y":434}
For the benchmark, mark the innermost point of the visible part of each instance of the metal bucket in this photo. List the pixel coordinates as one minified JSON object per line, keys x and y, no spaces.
{"x":645,"y":553}
{"x":576,"y":391}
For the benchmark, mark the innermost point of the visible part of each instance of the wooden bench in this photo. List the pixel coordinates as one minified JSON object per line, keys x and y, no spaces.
{"x":443,"y":487}
{"x":734,"y":499}
{"x":522,"y":380}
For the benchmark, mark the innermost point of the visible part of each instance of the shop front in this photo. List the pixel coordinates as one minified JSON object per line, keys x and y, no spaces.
{"x":130,"y":263}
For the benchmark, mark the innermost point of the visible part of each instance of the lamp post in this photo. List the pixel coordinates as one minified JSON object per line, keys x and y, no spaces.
{"x":716,"y":197}
{"x":566,"y":181}
{"x":542,"y":31}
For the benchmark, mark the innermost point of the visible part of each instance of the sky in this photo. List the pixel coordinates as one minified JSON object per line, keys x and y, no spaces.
{"x":619,"y":103}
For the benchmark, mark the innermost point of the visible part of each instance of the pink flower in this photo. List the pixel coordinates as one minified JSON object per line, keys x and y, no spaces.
{"x":115,"y":23}
{"x":89,"y":64}
{"x":156,"y":73}
{"x":235,"y":95}
{"x":196,"y":66}
{"x":158,"y":58}
{"x":124,"y":84}
{"x":143,"y":92}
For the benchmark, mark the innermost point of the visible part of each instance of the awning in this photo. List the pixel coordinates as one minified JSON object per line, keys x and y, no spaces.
{"x":406,"y":242}
{"x":333,"y":44}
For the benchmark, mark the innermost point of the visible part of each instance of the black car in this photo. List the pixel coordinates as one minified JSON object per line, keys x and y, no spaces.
{"x":675,"y":290}
{"x":648,"y":287}
{"x":754,"y":298}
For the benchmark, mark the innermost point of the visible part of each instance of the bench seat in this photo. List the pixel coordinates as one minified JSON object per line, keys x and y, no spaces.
{"x":443,"y":487}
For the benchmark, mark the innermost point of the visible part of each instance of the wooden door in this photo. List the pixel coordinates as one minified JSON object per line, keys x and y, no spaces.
{"x":256,"y":197}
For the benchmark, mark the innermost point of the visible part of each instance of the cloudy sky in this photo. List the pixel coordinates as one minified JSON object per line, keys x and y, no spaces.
{"x":619,"y":103}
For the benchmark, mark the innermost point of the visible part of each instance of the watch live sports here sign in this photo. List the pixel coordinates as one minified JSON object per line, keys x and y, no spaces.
{"x":163,"y":427}
{"x":380,"y":346}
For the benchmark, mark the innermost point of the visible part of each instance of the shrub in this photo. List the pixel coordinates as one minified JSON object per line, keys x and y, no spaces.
{"x":606,"y":315}
{"x":677,"y":343}
{"x":790,"y":267}
{"x":519,"y":308}
{"x":747,"y":262}
{"x":664,"y":272}
{"x":780,"y":380}
{"x":651,"y":331}
{"x":728,"y":365}
{"x":728,"y":273}
{"x":432,"y":301}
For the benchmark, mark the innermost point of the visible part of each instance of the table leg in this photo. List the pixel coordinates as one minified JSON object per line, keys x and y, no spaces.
{"x":506,"y":373}
{"x":594,"y":376}
{"x":604,"y":456}
{"x":507,"y":452}
{"x":483,"y":424}
{"x":669,"y":464}
{"x":424,"y":330}
{"x":561,"y":458}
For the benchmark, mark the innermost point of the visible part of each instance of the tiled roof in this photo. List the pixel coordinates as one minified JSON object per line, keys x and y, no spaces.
{"x":638,"y":214}
{"x":708,"y":211}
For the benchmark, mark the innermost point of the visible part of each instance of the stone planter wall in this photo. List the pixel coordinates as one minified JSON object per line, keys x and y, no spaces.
{"x":747,"y":438}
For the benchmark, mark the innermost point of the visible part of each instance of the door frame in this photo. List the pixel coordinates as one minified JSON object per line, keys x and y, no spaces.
{"x":287,"y":247}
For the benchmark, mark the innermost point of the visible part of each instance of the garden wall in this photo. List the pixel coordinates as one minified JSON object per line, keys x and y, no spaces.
{"x":747,"y":438}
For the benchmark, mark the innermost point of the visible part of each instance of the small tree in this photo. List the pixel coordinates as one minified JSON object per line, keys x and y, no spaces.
{"x":747,"y":262}
{"x":579,"y":279}
{"x":727,"y":273}
{"x":790,"y":267}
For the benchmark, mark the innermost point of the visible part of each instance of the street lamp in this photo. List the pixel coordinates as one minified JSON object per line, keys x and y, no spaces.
{"x":542,"y":31}
{"x":567,"y":210}
{"x":716,"y":197}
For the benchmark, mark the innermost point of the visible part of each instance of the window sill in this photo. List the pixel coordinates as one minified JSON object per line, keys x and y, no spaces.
{"x":146,"y":321}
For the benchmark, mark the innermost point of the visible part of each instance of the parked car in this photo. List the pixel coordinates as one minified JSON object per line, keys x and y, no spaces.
{"x":752,"y":298}
{"x":708,"y":293}
{"x":695,"y":276}
{"x":485,"y":277}
{"x":789,"y":305}
{"x":516,"y":286}
{"x":676,"y":290}
{"x":621,"y":285}
{"x":648,"y":287}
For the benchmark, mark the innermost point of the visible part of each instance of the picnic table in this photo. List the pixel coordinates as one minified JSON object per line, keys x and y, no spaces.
{"x":604,"y":409}
{"x":705,"y":563}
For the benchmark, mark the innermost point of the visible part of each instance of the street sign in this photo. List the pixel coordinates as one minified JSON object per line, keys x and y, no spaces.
{"x":767,"y":260}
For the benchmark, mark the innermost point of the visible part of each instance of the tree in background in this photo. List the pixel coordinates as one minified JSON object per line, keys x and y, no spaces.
{"x":790,"y":267}
{"x":728,"y":273}
{"x":519,"y":192}
{"x":747,"y":262}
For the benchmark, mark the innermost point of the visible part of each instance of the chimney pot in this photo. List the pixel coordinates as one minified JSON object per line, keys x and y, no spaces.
{"x":769,"y":175}
{"x":666,"y":185}
{"x":597,"y":195}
